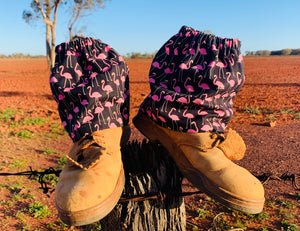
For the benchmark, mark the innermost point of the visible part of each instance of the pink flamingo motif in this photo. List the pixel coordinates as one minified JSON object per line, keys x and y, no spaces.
{"x":212,"y":64}
{"x":184,"y":50}
{"x":189,"y":117}
{"x":184,"y":66}
{"x":189,"y":88}
{"x":119,"y":102}
{"x":198,"y":101}
{"x":183,"y":101}
{"x":107,"y":48}
{"x":69,"y":54}
{"x":89,"y":42}
{"x":156,"y":64}
{"x":176,"y":88}
{"x":230,"y":81}
{"x":116,"y":64}
{"x":98,"y":110}
{"x":67,"y":89}
{"x":66,"y":75}
{"x":202,"y":112}
{"x":88,"y":117}
{"x":168,"y":98}
{"x":85,"y":82}
{"x":125,"y":115}
{"x":193,"y":130}
{"x":173,"y":117}
{"x":117,"y":83}
{"x":200,"y":67}
{"x":109,"y":105}
{"x":97,"y":126}
{"x":168,"y":70}
{"x":106,"y":88}
{"x":202,"y":51}
{"x":151,"y":79}
{"x":163,"y":84}
{"x":231,"y":61}
{"x":167,"y":47}
{"x":69,"y":115}
{"x":77,"y":70}
{"x":192,"y":50}
{"x":61,"y":96}
{"x":77,"y":125}
{"x":105,"y":69}
{"x":75,"y":109}
{"x":221,"y":65}
{"x":111,"y":125}
{"x":219,"y":84}
{"x":88,"y":68}
{"x":228,"y":42}
{"x":220,"y":112}
{"x":203,"y":85}
{"x":208,"y":99}
{"x":207,"y":127}
{"x":118,"y":119}
{"x":156,"y":98}
{"x":123,"y":77}
{"x":95,"y":94}
{"x":213,"y":47}
{"x":162,"y":119}
{"x":94,"y":76}
{"x":240,"y":79}
{"x":83,"y":102}
{"x":240,"y":58}
{"x":100,"y":56}
{"x":53,"y":79}
{"x":176,"y":51}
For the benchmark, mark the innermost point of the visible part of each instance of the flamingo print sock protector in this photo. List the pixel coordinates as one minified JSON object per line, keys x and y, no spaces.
{"x":194,"y":78}
{"x":91,"y":87}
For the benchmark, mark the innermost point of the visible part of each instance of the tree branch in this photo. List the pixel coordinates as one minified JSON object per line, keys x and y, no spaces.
{"x":46,"y":20}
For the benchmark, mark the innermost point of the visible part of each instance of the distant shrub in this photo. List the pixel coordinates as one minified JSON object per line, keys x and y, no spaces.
{"x":295,"y":52}
{"x":286,"y":51}
{"x":21,"y":56}
{"x":263,"y":53}
{"x":134,"y":55}
{"x":276,"y":52}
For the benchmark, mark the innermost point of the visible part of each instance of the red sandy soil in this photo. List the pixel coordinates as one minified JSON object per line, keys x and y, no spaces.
{"x":272,"y":86}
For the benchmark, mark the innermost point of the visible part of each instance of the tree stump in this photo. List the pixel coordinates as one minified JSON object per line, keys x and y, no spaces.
{"x":151,"y":173}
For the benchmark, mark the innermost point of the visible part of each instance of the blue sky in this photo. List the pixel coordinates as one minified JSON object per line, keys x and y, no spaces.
{"x":144,"y":26}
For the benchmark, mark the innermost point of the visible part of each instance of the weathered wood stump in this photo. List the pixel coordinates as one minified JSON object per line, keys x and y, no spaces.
{"x":150,"y":173}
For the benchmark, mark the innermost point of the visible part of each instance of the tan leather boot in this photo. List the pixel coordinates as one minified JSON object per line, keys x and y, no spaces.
{"x":92,"y":181}
{"x":205,"y":165}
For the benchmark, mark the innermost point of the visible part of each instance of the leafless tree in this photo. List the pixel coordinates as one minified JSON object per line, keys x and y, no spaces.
{"x":46,"y":10}
{"x":82,"y":8}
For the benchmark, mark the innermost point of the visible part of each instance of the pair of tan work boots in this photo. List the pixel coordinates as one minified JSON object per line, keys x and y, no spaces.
{"x":92,"y":182}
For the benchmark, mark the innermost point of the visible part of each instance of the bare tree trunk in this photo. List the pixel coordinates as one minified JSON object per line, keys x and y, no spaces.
{"x":70,"y":33}
{"x":48,"y":46}
{"x":52,"y":54}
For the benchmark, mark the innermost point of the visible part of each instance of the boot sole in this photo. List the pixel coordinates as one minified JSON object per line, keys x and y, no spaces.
{"x":197,"y":178}
{"x":96,"y":213}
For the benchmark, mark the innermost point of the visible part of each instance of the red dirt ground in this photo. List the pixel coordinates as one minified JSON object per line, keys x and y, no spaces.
{"x":272,"y":87}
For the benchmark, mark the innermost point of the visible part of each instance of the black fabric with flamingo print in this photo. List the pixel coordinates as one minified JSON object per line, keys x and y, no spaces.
{"x":91,"y":87}
{"x":194,"y":78}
